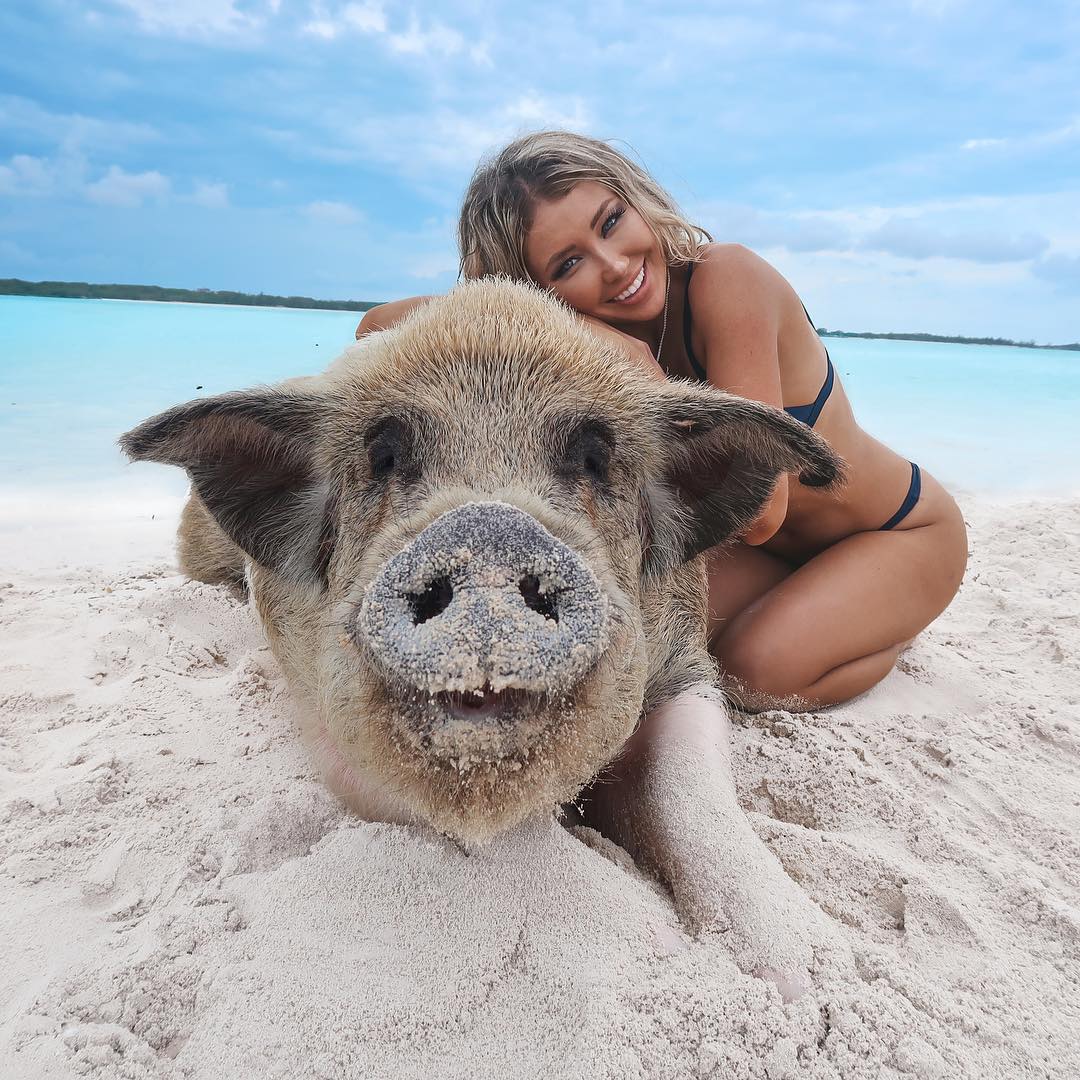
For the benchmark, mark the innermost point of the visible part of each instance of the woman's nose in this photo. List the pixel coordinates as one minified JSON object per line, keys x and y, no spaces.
{"x":615,"y":266}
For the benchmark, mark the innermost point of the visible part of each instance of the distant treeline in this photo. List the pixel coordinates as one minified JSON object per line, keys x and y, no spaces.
{"x":80,"y":290}
{"x":945,"y":337}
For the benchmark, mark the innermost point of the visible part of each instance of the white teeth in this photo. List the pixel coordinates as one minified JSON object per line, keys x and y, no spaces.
{"x":634,"y":285}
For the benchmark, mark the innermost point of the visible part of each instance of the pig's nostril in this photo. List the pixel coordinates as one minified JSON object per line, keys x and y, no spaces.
{"x":541,"y":602}
{"x":434,"y":600}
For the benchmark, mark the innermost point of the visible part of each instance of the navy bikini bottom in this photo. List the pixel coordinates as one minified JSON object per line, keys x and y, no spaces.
{"x":914,"y":490}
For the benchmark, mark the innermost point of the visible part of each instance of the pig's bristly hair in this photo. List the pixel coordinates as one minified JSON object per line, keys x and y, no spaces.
{"x":488,"y":381}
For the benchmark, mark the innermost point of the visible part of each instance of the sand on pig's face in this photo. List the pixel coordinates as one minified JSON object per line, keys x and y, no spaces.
{"x":474,"y":776}
{"x":484,"y":601}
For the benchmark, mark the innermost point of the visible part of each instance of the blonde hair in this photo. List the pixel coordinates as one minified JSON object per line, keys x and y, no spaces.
{"x":498,"y":208}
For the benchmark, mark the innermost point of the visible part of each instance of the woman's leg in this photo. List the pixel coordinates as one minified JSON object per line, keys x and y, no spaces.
{"x":739,"y":575}
{"x":834,"y":627}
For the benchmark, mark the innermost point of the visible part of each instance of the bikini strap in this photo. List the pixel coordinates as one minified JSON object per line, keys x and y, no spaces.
{"x":823,"y":394}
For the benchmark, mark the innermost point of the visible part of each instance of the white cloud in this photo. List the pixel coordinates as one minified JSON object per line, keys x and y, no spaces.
{"x":212,"y":196}
{"x":417,"y":144}
{"x":797,"y":231}
{"x":1061,"y":270}
{"x":333,"y":213}
{"x":321,"y":27}
{"x":880,"y":292}
{"x":197,"y":18}
{"x":430,"y":39}
{"x":982,"y":144}
{"x":968,"y":230}
{"x":367,"y":18}
{"x":26,"y":175}
{"x":120,"y":188}
{"x":436,"y":38}
{"x":72,"y":132}
{"x":480,"y":54}
{"x":437,"y":264}
{"x":915,"y":239}
{"x":1034,"y":140}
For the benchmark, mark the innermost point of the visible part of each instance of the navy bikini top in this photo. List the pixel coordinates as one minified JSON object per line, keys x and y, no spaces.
{"x":808,"y":414}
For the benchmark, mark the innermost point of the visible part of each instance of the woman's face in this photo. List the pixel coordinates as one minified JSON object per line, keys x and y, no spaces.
{"x":592,"y":249}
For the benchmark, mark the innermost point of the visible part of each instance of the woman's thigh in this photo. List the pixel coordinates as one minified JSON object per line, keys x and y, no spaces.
{"x":867,"y":593}
{"x":739,"y":575}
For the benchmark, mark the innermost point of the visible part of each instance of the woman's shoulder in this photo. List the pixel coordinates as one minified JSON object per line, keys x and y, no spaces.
{"x":730,"y":278}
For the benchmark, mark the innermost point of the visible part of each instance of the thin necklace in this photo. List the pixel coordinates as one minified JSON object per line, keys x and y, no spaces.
{"x":663,"y":329}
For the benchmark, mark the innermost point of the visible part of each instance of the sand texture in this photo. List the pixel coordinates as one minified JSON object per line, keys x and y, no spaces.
{"x":180,"y":897}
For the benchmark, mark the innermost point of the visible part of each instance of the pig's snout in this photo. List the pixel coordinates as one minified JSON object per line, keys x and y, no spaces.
{"x":485,"y":599}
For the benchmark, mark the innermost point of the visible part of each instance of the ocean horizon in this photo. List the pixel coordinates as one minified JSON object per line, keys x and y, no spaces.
{"x":75,"y":374}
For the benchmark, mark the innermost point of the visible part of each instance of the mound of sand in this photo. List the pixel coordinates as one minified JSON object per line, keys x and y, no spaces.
{"x":181,"y":898}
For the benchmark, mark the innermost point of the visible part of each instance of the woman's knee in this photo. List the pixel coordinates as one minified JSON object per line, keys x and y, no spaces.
{"x":759,"y":675}
{"x":757,"y":663}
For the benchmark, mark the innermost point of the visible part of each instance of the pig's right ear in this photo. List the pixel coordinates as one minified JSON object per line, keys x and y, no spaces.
{"x":250,"y":456}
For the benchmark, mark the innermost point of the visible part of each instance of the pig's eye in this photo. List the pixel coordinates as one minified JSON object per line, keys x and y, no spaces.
{"x":588,"y":451}
{"x":382,"y":461}
{"x":387,"y":446}
{"x":595,"y":463}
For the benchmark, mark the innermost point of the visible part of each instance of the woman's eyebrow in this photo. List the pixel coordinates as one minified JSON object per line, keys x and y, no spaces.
{"x":560,"y":255}
{"x":603,"y":206}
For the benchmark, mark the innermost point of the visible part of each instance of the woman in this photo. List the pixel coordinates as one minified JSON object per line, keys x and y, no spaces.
{"x":826,"y":589}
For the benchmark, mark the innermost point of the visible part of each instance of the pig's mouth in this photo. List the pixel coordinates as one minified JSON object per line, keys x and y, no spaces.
{"x":478,"y":727}
{"x":485,"y":705}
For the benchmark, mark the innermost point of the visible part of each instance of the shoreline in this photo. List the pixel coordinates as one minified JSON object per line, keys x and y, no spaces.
{"x":188,"y":303}
{"x":942,"y":339}
{"x":362,"y":306}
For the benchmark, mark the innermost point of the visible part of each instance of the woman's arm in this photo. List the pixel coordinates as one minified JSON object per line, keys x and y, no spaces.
{"x":737,"y":299}
{"x":384,"y":316}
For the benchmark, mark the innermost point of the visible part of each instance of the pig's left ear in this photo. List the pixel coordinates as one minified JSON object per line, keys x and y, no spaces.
{"x":722,"y":456}
{"x":250,"y":456}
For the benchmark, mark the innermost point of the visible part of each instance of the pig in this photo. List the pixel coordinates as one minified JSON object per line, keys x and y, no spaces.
{"x":475,"y":545}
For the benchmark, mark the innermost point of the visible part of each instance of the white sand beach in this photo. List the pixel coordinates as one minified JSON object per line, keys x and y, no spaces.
{"x":180,"y":897}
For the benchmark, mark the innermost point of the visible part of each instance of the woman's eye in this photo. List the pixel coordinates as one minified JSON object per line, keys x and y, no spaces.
{"x":610,"y":221}
{"x":565,"y":268}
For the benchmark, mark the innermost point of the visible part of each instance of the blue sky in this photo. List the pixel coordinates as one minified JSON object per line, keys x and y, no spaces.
{"x":908,"y":164}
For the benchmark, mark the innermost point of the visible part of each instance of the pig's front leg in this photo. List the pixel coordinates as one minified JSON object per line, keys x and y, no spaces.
{"x":670,"y":801}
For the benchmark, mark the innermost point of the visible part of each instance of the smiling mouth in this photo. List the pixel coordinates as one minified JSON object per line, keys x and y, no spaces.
{"x":632,"y":289}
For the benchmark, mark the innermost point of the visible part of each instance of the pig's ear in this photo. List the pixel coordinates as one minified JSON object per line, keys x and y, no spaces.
{"x":250,"y":456}
{"x":722,"y":456}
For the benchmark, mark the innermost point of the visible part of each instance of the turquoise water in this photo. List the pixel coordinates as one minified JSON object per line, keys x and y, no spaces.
{"x":76,"y":373}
